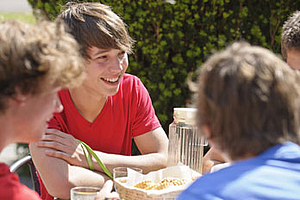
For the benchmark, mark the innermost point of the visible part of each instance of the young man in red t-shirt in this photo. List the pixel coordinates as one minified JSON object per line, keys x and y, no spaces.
{"x":107,"y":111}
{"x":35,"y":63}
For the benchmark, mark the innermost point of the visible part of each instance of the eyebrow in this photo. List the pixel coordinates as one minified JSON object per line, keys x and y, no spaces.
{"x":100,"y":52}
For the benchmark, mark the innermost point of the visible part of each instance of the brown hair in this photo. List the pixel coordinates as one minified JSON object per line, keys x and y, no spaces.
{"x":290,"y":37}
{"x":95,"y":24}
{"x":34,"y":58}
{"x":250,"y":100}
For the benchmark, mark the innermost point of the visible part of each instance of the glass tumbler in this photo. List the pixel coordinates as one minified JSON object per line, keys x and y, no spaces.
{"x":120,"y":174}
{"x":84,"y":193}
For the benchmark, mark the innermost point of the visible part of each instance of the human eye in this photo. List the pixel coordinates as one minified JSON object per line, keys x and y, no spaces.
{"x":101,"y":58}
{"x":121,"y":54}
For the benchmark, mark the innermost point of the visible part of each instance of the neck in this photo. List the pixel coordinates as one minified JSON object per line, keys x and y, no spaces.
{"x":7,"y":131}
{"x":88,"y":104}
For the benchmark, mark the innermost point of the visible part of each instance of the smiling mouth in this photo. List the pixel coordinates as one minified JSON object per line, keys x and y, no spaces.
{"x":111,"y":80}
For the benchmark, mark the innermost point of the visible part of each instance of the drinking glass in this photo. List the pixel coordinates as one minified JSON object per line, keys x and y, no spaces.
{"x":120,"y":174}
{"x":84,"y":193}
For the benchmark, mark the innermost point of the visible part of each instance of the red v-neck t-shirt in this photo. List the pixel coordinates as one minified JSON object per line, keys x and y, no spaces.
{"x":125,"y":115}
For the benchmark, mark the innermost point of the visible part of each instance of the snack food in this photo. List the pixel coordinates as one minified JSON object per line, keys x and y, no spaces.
{"x":163,"y":184}
{"x":144,"y":184}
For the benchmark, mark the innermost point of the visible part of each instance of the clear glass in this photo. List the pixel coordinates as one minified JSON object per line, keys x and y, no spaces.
{"x":186,"y":144}
{"x":120,"y":174}
{"x":84,"y":193}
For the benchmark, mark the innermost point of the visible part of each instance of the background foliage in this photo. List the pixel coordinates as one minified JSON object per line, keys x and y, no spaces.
{"x":172,"y":40}
{"x":27,"y":17}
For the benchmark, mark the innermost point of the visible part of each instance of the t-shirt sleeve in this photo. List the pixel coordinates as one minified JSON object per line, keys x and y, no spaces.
{"x":24,"y":193}
{"x":145,"y":118}
{"x":12,"y":189}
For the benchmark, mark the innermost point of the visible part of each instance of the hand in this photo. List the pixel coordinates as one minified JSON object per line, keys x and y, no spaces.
{"x":195,"y":175}
{"x":207,"y":165}
{"x":211,"y":158}
{"x":105,"y":192}
{"x":63,"y":146}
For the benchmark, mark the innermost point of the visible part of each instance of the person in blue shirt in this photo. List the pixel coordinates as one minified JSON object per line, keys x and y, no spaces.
{"x":248,"y":104}
{"x":290,"y":50}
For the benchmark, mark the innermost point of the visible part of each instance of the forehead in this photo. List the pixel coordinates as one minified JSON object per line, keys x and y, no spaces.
{"x":94,"y":51}
{"x":47,"y":87}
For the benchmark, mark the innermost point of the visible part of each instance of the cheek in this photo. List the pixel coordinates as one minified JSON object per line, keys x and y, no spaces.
{"x":293,"y":59}
{"x":125,"y":64}
{"x":52,"y":105}
{"x":48,"y":109}
{"x":294,"y":64}
{"x":96,"y":69}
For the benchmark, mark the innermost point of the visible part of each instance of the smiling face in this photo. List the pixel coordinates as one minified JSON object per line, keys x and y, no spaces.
{"x":105,"y":70}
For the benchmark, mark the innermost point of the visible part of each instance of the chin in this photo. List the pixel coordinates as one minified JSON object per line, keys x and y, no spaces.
{"x":40,"y":133}
{"x":37,"y":137}
{"x":113,"y":92}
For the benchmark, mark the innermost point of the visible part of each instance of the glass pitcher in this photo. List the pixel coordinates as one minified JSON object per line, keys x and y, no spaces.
{"x":186,"y":144}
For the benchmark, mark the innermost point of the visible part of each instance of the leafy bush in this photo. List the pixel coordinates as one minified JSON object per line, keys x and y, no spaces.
{"x":174,"y":39}
{"x":26,"y":17}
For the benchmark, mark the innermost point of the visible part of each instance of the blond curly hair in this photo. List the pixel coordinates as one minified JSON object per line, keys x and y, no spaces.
{"x":34,"y":58}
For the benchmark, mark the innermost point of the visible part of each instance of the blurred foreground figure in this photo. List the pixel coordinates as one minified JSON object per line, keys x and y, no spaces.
{"x":35,"y":62}
{"x":249,"y":109}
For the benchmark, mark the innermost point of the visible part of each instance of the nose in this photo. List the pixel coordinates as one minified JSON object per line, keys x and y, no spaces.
{"x":117,"y":65}
{"x":58,"y":106}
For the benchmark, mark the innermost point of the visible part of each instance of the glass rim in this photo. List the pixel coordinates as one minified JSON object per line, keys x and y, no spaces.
{"x":123,"y":168}
{"x":86,"y":187}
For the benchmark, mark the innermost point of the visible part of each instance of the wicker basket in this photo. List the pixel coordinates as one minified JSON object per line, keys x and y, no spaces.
{"x":127,"y":191}
{"x":132,"y":193}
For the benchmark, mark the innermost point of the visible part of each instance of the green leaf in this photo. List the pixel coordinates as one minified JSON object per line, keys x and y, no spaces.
{"x":87,"y":156}
{"x":104,"y":168}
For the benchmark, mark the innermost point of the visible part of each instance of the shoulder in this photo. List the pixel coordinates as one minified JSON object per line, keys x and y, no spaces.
{"x":11,"y":188}
{"x":24,"y":193}
{"x":131,"y":79}
{"x":131,"y":83}
{"x":214,"y":184}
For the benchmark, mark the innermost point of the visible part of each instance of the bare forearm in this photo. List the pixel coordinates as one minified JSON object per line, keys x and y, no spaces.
{"x":153,"y":146}
{"x":147,"y":162}
{"x":59,"y":177}
{"x":78,"y":176}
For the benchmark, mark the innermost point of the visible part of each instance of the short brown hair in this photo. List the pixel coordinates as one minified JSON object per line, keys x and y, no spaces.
{"x":95,"y":24}
{"x":250,"y":100}
{"x":290,"y":37}
{"x":35,"y":57}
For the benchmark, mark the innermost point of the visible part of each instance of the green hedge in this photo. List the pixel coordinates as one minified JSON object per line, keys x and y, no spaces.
{"x":174,"y":39}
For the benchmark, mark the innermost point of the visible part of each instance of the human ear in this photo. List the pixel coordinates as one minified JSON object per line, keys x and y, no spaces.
{"x":19,"y":97}
{"x":208,"y":135}
{"x":206,"y":131}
